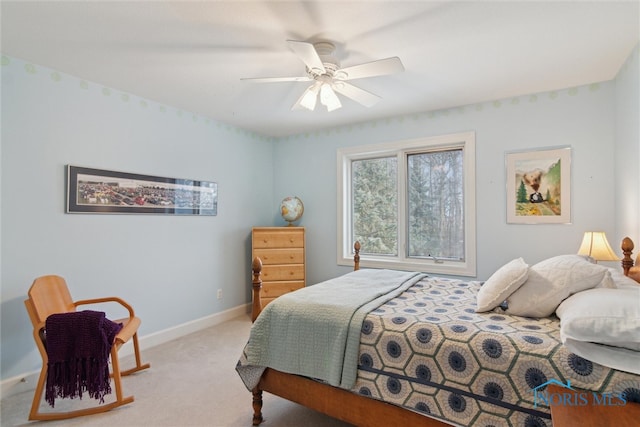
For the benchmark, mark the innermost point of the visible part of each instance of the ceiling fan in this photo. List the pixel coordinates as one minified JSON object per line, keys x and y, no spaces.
{"x":328,"y":77}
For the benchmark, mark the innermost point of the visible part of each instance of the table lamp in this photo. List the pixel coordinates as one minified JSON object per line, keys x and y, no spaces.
{"x":595,"y":245}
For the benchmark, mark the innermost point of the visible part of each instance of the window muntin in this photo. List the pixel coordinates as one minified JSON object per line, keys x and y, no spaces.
{"x":365,"y":207}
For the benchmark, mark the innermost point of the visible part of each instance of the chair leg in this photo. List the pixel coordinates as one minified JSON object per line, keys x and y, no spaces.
{"x":35,"y":414}
{"x":44,"y":416}
{"x":136,"y":350}
{"x":117,"y":381}
{"x":37,"y":395}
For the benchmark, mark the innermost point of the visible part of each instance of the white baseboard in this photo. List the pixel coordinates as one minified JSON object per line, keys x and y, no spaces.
{"x":27,"y":381}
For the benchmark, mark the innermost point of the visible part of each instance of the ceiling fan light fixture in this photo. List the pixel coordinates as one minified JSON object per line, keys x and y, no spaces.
{"x":309,"y":100}
{"x":309,"y":97}
{"x":328,"y":98}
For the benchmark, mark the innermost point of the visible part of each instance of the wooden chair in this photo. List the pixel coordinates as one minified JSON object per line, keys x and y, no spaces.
{"x":49,"y":295}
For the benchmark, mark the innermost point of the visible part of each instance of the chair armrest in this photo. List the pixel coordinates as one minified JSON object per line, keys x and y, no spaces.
{"x":130,"y":327}
{"x":107,"y":299}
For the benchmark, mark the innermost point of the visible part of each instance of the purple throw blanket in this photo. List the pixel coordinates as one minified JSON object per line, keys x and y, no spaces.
{"x":78,"y":346}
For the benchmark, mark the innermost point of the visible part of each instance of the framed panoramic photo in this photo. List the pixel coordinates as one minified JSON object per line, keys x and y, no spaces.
{"x":539,"y":186}
{"x":104,"y":191}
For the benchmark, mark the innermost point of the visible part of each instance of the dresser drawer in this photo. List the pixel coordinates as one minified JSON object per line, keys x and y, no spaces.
{"x":280,"y":256}
{"x":272,"y":273}
{"x":278,"y":239}
{"x":275,"y":289}
{"x":265,"y":301}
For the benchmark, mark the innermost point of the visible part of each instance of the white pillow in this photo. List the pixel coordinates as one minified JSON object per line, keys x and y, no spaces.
{"x":505,"y":281}
{"x":635,"y":346}
{"x":551,"y":281}
{"x":603,"y":316}
{"x":622,"y":281}
{"x":619,"y":358}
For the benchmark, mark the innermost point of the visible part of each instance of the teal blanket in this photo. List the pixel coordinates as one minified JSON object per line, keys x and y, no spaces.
{"x":315,"y":331}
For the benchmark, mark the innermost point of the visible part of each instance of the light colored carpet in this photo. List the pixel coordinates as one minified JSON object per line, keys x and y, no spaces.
{"x":192,"y":382}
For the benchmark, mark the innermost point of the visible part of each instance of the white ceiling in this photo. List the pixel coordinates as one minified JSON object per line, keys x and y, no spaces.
{"x":191,"y":55}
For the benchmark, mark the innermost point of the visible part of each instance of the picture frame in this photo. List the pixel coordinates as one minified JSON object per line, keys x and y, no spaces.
{"x":101,"y":191}
{"x":539,"y":186}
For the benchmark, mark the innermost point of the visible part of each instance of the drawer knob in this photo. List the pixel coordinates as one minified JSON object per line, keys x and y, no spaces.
{"x":291,"y":239}
{"x":265,"y":240}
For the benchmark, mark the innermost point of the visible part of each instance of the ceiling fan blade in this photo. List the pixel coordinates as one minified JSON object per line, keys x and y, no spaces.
{"x":361,"y":96}
{"x":277,"y":79}
{"x":370,"y":69}
{"x":307,"y":53}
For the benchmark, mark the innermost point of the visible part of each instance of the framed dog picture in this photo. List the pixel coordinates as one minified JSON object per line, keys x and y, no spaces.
{"x":538,"y":186}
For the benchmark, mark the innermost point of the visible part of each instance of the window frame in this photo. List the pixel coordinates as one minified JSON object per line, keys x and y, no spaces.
{"x":401,"y":149}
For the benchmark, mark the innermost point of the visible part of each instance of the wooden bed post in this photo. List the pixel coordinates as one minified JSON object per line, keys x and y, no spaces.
{"x":627,"y":261}
{"x":256,"y":267}
{"x":256,"y":283}
{"x":356,"y":257}
{"x":257,"y":405}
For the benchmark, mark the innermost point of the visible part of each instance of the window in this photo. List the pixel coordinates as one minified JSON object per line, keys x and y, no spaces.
{"x":410,"y":204}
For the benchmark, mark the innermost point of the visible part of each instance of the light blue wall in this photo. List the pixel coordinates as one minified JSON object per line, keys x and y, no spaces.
{"x":581,"y":117}
{"x":627,"y":167}
{"x":168,"y":267}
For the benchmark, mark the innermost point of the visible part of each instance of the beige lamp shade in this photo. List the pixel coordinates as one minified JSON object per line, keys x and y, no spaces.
{"x":595,"y":245}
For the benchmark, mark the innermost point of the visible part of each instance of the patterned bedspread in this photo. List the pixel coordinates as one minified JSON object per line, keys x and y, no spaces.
{"x":429,"y":351}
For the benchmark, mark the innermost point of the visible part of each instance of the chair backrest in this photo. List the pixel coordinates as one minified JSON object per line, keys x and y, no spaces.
{"x":48,"y":295}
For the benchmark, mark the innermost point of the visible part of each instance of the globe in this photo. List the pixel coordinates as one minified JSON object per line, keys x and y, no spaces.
{"x":291,"y":209}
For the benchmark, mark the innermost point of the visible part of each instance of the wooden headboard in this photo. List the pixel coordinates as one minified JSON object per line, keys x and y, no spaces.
{"x":630,"y":269}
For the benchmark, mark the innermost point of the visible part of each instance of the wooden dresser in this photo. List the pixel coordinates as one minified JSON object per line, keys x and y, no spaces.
{"x":282,"y":252}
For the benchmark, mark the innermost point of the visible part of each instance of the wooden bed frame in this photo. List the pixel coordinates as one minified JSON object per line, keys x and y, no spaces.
{"x":346,"y":405}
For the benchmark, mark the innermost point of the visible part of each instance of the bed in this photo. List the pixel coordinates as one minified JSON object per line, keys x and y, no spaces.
{"x":426,"y":355}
